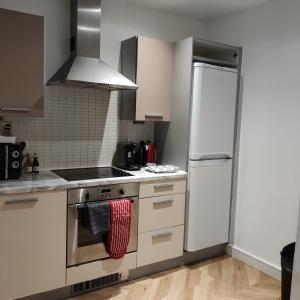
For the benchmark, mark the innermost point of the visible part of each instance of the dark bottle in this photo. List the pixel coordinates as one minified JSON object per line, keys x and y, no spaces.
{"x":35,"y":164}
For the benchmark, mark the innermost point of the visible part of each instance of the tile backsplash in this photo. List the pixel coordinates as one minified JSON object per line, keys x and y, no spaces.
{"x":80,"y":128}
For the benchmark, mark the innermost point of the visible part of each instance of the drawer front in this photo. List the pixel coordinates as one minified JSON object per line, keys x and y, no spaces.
{"x":159,"y":245}
{"x":160,"y":188}
{"x":167,"y":211}
{"x":100,"y":268}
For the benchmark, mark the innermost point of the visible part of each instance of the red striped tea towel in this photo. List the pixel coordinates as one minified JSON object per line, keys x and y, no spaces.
{"x":120,"y":220}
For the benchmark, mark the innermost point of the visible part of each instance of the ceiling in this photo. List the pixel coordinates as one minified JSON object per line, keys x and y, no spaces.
{"x":197,"y":9}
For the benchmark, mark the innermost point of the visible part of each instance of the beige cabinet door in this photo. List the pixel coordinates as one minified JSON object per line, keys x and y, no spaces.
{"x":32,"y":243}
{"x":154,"y":79}
{"x":22,"y":62}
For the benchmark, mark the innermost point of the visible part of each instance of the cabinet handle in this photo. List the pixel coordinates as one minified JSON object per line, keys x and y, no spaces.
{"x":16,"y":109}
{"x":17,"y":201}
{"x":157,"y":202}
{"x":159,"y":235}
{"x":166,"y":185}
{"x":154,"y":116}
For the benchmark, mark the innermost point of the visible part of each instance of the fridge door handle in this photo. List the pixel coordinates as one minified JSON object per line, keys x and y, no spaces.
{"x":201,"y":157}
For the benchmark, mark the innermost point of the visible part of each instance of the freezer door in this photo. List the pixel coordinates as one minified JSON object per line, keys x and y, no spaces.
{"x":208,"y":209}
{"x":213,"y":111}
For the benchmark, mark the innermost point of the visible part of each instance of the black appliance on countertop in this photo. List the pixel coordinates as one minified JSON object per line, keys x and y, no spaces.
{"x":90,"y":173}
{"x":11,"y":156}
{"x":128,"y":156}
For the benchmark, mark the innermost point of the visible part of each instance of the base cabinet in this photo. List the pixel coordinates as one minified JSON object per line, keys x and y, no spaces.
{"x":159,"y":245}
{"x":33,"y":243}
{"x":161,"y":221}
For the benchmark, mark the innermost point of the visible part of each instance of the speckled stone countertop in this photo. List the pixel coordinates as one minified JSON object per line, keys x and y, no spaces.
{"x":48,"y":181}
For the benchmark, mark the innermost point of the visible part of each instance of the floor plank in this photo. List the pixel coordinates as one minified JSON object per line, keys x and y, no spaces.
{"x":224,"y":278}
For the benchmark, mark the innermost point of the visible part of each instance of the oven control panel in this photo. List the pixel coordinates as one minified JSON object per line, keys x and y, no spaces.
{"x":106,"y":192}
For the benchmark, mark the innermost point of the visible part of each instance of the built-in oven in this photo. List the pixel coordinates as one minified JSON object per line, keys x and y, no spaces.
{"x":82,"y":246}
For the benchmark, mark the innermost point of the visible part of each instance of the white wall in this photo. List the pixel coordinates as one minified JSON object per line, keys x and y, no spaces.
{"x":269,"y":163}
{"x":57,"y":28}
{"x":120,"y":21}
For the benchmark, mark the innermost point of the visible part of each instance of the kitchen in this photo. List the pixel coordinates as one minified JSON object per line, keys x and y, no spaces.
{"x":80,"y":128}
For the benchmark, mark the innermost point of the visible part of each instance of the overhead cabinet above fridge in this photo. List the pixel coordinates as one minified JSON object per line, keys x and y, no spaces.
{"x":21,"y":64}
{"x":149,"y":63}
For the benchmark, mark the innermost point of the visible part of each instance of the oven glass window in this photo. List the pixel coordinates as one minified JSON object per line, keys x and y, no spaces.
{"x":85,"y":238}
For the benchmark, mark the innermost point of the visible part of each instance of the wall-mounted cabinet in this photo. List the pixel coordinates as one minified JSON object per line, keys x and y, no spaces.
{"x":149,"y":63}
{"x":215,"y":53}
{"x":22,"y":64}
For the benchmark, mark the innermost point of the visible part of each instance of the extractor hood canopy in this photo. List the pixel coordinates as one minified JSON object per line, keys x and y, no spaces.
{"x":84,"y":68}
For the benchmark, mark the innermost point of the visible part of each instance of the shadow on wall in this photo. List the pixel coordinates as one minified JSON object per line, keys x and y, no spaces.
{"x":160,"y":139}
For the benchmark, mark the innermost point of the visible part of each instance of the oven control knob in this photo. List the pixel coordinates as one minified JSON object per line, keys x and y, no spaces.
{"x":87,"y":196}
{"x":122,"y":191}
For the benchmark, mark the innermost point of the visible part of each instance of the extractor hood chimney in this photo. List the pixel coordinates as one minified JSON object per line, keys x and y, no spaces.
{"x":84,"y":68}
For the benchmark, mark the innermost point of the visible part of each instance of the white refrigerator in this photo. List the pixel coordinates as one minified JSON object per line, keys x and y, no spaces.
{"x":210,"y":156}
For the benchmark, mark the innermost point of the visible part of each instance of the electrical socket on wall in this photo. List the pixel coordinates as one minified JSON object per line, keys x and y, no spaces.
{"x":5,"y":128}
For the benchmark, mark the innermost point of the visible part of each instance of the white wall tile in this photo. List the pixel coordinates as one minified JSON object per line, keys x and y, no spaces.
{"x":80,"y":128}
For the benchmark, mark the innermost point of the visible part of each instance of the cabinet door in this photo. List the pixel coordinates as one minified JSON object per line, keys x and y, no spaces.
{"x":33,"y":243}
{"x":154,"y":79}
{"x":21,"y":61}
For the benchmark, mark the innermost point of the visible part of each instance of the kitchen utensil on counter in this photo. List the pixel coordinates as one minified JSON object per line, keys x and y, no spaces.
{"x":151,"y":153}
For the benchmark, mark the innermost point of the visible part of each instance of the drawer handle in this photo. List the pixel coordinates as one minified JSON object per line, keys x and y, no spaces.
{"x":158,"y":202}
{"x":154,"y":116}
{"x":165,"y":185}
{"x":16,"y":109}
{"x":159,"y":235}
{"x":17,"y":201}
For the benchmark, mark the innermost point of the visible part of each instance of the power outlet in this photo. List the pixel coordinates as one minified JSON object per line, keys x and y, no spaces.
{"x":6,"y":128}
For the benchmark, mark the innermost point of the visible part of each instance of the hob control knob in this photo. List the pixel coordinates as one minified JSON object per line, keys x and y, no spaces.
{"x":122,"y":191}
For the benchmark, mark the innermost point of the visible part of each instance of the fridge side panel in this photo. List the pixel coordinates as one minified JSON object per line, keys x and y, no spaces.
{"x":209,"y":204}
{"x":172,"y":138}
{"x":213,"y":111}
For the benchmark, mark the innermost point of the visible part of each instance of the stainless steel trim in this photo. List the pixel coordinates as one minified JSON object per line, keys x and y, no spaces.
{"x":164,"y":185}
{"x":16,"y":109}
{"x":18,"y":201}
{"x":163,"y":234}
{"x":158,"y":202}
{"x":98,"y":193}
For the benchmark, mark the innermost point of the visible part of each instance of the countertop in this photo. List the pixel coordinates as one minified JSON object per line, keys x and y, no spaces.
{"x":48,"y":181}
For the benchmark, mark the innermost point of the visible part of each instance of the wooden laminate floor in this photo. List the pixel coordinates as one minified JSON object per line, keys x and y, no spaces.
{"x":225,"y":278}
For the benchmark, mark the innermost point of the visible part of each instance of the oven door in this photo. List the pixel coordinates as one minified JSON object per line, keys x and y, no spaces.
{"x":83,"y":247}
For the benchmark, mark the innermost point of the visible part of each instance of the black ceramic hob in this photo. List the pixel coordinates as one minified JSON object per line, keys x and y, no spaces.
{"x":90,"y":173}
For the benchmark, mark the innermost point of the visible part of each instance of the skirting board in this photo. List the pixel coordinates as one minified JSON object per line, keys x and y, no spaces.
{"x":254,"y":261}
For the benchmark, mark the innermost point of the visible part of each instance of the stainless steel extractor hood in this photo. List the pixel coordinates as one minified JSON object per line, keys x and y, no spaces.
{"x":84,"y":68}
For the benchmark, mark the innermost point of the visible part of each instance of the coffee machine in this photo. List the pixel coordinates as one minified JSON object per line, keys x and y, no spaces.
{"x":128,"y":156}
